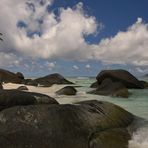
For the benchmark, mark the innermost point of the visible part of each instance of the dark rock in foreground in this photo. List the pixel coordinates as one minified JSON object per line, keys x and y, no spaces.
{"x":22,"y":88}
{"x":123,"y":76}
{"x":48,"y":80}
{"x":110,"y":88}
{"x":9,"y":77}
{"x":10,"y":98}
{"x":88,"y":124}
{"x":68,"y":90}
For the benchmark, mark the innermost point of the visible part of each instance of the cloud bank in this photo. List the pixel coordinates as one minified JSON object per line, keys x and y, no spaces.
{"x":129,"y":47}
{"x":34,"y":31}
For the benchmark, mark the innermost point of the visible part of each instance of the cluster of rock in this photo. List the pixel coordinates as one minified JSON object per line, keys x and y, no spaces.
{"x":18,"y":78}
{"x":116,"y":83}
{"x":47,"y":81}
{"x":34,"y":120}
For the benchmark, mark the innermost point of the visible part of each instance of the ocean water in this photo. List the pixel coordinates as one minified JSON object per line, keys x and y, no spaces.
{"x":137,"y":104}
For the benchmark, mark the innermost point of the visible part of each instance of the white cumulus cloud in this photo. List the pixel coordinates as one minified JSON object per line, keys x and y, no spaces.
{"x":75,"y":67}
{"x":50,"y":65}
{"x":33,"y":31}
{"x":129,"y":47}
{"x":9,"y":60}
{"x":30,"y":30}
{"x":88,"y":66}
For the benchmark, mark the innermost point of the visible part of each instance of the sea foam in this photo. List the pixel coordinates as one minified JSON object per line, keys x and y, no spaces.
{"x":139,"y":139}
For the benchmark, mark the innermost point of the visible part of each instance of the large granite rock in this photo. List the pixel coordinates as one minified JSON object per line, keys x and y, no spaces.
{"x":67,"y":90}
{"x":9,"y":77}
{"x":88,"y":124}
{"x":10,"y":98}
{"x":123,"y":76}
{"x":49,"y":80}
{"x":110,"y":88}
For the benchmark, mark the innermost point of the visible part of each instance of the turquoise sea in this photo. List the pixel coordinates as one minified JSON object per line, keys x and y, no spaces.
{"x":137,"y":104}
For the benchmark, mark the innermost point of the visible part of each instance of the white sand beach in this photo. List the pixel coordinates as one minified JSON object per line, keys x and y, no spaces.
{"x":50,"y":91}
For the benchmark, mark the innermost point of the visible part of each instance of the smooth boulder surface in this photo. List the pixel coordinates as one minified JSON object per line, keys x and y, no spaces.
{"x":94,"y":85}
{"x":49,"y":80}
{"x":123,"y":76}
{"x":67,"y":90}
{"x":83,"y":125}
{"x":110,"y":88}
{"x":22,"y":88}
{"x":10,"y":77}
{"x":10,"y":98}
{"x":113,"y":138}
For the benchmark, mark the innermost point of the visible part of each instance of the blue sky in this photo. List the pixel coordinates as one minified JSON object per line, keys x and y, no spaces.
{"x":74,"y":38}
{"x":114,"y":14}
